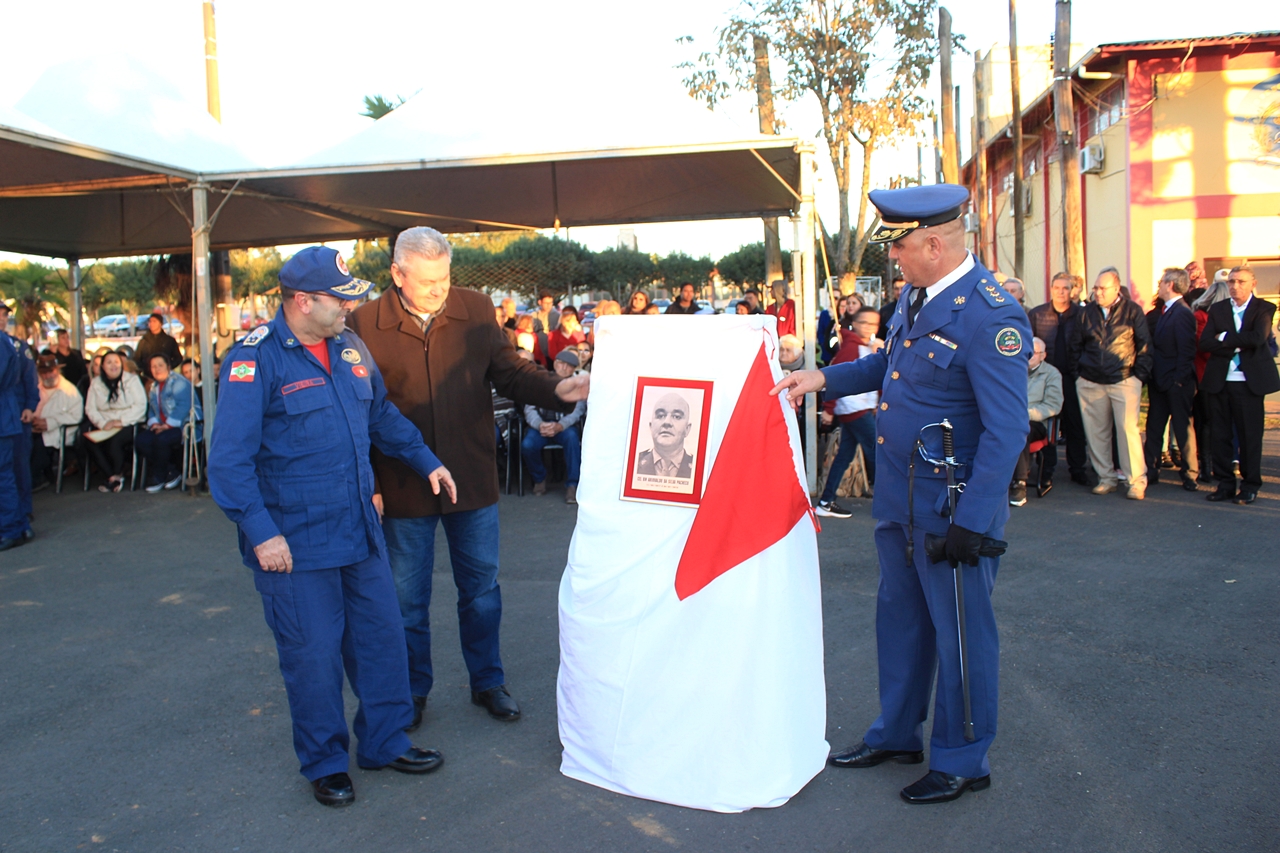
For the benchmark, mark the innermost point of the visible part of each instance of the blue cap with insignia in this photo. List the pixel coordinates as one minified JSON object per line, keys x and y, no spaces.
{"x":319,"y":269}
{"x":903,"y":211}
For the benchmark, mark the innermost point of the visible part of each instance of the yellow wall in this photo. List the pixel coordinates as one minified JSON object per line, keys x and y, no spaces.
{"x":1207,"y":142}
{"x":1106,"y":207}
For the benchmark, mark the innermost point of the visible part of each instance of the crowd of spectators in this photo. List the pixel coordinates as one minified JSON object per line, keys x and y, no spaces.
{"x":101,"y":411}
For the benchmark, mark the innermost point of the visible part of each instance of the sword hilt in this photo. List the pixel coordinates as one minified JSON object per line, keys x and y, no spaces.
{"x":948,"y":441}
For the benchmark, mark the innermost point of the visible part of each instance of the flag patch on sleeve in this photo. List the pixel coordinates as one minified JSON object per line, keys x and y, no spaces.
{"x":243,"y":371}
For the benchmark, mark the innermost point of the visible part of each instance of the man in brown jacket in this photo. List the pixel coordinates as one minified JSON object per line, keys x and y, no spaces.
{"x":438,"y":350}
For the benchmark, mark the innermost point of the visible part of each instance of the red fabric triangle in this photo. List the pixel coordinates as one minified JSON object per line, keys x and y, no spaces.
{"x":753,"y":497}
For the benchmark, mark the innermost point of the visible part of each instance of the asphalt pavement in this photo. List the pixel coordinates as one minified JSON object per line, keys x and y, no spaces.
{"x":141,"y":708}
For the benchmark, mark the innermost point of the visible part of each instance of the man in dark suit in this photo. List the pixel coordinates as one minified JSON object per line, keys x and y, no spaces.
{"x":1240,"y":373}
{"x":669,"y":425}
{"x":1172,"y":385}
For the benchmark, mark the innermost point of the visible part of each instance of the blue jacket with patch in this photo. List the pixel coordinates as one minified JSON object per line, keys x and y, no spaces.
{"x":964,"y":359}
{"x":18,"y":386}
{"x":290,"y":451}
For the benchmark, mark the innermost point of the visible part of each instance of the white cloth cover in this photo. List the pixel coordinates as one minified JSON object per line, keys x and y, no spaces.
{"x":718,"y":701}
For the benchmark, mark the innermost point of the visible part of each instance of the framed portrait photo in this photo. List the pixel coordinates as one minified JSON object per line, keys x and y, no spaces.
{"x":666,"y":453}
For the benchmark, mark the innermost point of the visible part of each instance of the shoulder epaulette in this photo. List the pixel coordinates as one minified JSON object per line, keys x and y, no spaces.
{"x":994,"y":293}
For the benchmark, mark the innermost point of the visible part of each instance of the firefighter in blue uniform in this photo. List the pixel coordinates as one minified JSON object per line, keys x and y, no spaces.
{"x":19,"y":397}
{"x":301,"y":401}
{"x":957,"y":348}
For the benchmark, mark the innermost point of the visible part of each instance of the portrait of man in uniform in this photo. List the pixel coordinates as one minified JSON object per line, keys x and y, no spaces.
{"x":668,"y":440}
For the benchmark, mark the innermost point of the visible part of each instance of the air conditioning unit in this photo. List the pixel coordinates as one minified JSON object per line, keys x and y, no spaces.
{"x":1026,"y":202}
{"x":1092,"y":158}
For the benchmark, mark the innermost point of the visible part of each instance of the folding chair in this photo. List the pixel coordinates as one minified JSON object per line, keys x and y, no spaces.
{"x":1037,"y":450}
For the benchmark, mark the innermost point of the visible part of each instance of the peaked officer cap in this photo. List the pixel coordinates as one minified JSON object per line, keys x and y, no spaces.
{"x":319,"y":269}
{"x":903,"y":211}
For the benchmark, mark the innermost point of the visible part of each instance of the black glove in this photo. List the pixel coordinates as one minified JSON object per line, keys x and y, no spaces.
{"x":962,"y":546}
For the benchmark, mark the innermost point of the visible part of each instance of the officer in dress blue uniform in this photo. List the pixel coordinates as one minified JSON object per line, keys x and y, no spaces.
{"x":19,"y":397}
{"x":957,"y":348}
{"x":301,"y":401}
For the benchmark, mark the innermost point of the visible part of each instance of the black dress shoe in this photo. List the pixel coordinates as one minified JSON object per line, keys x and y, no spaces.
{"x":1247,"y":496}
{"x":334,"y":790}
{"x":6,"y":544}
{"x":414,"y":761}
{"x":1189,"y":484}
{"x":498,"y":702}
{"x":938,"y":787}
{"x":1221,"y":494}
{"x":865,"y":756}
{"x":419,"y":705}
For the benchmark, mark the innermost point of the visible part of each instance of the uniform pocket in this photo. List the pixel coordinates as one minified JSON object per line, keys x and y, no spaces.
{"x":312,"y":415}
{"x":930,"y":363}
{"x":278,"y":606}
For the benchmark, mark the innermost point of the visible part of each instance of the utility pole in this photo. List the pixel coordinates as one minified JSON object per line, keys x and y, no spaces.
{"x":1019,"y":215}
{"x":950,"y":151}
{"x":937,"y":153}
{"x":1068,"y":146}
{"x":764,"y":108}
{"x":211,"y":63}
{"x":980,"y":154}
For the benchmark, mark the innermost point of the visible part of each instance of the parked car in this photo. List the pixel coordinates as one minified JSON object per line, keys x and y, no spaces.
{"x":662,"y":303}
{"x":172,"y":326}
{"x":112,"y":326}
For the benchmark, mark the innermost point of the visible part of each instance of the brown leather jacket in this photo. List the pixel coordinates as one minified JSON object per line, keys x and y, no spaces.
{"x":440,"y":382}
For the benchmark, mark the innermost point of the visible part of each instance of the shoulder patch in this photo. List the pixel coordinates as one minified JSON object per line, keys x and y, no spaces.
{"x":995,"y":294}
{"x":1009,"y":341}
{"x":242,"y":371}
{"x":256,"y":336}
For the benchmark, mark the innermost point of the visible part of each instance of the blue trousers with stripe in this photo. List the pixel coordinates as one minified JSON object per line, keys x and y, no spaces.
{"x":916,"y":637}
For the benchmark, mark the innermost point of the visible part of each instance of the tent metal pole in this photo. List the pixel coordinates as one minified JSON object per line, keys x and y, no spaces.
{"x":77,"y":305}
{"x":204,"y":304}
{"x":806,"y":314}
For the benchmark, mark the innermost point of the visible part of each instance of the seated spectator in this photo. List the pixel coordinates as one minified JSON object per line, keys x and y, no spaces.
{"x":70,"y":360}
{"x":95,"y":368}
{"x":604,"y":308}
{"x":638,"y":303}
{"x":156,"y":341}
{"x":1044,"y":400}
{"x":130,"y":364}
{"x":530,"y":340}
{"x":116,"y":401}
{"x":548,"y":426}
{"x":168,"y":409}
{"x":653,"y":309}
{"x":568,"y":334}
{"x":60,"y":405}
{"x":585,"y":353}
{"x":508,"y":314}
{"x":191,"y":371}
{"x":790,"y":353}
{"x":742,"y":308}
{"x":686,"y":301}
{"x":856,"y":414}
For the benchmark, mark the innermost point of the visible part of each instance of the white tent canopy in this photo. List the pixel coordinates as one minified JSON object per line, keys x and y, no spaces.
{"x":102,"y":158}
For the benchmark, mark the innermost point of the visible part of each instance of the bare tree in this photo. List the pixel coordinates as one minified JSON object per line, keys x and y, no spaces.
{"x":865,"y":62}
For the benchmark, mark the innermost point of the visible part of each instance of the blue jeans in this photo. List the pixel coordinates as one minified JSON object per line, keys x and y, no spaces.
{"x":473,"y":551}
{"x":568,"y":438}
{"x":862,"y":431}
